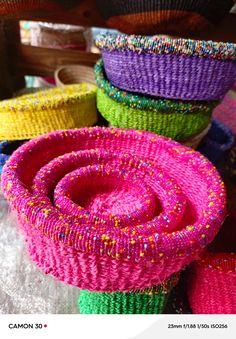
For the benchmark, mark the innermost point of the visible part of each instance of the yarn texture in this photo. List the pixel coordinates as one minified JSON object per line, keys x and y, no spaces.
{"x":163,"y":16}
{"x":170,"y":68}
{"x":176,"y":120}
{"x":32,"y":115}
{"x":212,"y":285}
{"x":113,"y":210}
{"x":148,"y":301}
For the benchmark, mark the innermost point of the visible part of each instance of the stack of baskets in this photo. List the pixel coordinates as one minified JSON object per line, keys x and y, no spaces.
{"x":163,"y":85}
{"x":120,"y":212}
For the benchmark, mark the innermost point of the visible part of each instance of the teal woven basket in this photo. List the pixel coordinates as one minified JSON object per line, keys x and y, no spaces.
{"x":179,"y":120}
{"x":148,"y":301}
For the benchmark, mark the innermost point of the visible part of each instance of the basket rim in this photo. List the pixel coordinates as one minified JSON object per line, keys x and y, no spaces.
{"x":164,"y":45}
{"x":59,"y":69}
{"x":221,"y":261}
{"x":53,"y":98}
{"x":148,"y":103}
{"x":201,"y":232}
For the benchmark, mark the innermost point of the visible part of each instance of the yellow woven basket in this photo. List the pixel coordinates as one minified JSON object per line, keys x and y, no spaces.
{"x":35,"y":114}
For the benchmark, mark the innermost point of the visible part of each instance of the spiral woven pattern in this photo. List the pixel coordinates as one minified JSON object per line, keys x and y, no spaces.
{"x":217,"y":143}
{"x":169,"y":68}
{"x":113,"y":210}
{"x":148,"y":301}
{"x":35,"y":114}
{"x":212,"y":285}
{"x":163,"y":16}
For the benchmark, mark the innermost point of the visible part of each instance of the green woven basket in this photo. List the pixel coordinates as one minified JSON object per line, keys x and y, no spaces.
{"x":178,"y":120}
{"x":148,"y":301}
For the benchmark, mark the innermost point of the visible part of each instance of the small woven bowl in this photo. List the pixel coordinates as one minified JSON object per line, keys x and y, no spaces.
{"x":169,"y":68}
{"x":148,"y":301}
{"x":212,"y":284}
{"x":217,"y":142}
{"x":175,"y":119}
{"x":226,"y":111}
{"x":177,"y":17}
{"x":35,"y":114}
{"x":113,"y":210}
{"x":6,"y":150}
{"x":74,"y":74}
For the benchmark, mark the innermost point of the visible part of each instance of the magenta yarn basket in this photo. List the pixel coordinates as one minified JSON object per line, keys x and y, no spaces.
{"x":113,"y":210}
{"x":212,"y":284}
{"x":169,"y":68}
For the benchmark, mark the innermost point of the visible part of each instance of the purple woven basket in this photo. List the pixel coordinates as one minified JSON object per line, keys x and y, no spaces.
{"x":169,"y":68}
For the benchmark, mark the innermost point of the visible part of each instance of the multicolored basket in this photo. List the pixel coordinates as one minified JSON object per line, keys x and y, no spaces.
{"x":212,"y":285}
{"x":169,"y":68}
{"x":217,"y":143}
{"x":178,"y":120}
{"x":113,"y":210}
{"x":148,"y":301}
{"x":6,"y":150}
{"x":226,"y":111}
{"x":35,"y":114}
{"x":176,"y":17}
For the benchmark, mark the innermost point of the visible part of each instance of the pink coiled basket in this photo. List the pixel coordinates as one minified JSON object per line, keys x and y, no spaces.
{"x":113,"y":210}
{"x":212,"y":284}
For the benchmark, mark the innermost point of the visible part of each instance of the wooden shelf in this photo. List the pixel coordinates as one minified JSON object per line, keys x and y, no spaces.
{"x":29,"y":60}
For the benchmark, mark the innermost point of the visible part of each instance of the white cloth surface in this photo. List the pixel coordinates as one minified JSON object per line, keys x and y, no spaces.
{"x":24,"y":289}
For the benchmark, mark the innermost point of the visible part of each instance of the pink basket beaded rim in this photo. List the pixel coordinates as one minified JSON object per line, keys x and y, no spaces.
{"x":225,"y":262}
{"x":115,"y":245}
